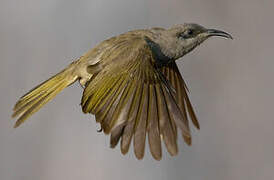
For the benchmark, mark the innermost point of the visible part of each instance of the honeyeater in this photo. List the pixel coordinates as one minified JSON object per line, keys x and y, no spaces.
{"x":133,"y":87}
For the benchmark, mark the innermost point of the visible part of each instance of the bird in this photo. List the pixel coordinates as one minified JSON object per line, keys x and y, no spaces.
{"x":133,"y":86}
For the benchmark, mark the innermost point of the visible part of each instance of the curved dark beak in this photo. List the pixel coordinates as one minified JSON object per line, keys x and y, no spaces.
{"x":215,"y":32}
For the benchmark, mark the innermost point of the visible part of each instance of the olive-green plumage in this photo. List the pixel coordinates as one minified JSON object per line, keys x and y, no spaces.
{"x":133,"y":87}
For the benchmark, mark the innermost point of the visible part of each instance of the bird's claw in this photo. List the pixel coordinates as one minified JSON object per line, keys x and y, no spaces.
{"x":100,"y":130}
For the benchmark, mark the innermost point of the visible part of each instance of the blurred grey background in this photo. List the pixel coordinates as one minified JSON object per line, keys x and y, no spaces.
{"x":231,"y":87}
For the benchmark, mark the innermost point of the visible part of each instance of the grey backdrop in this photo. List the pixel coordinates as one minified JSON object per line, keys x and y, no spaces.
{"x":231,"y":85}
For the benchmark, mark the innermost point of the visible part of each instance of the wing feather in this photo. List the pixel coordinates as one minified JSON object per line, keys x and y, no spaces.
{"x":173,"y":75}
{"x":121,"y":115}
{"x":140,"y":124}
{"x":153,"y":126}
{"x":108,"y":115}
{"x":129,"y":128}
{"x":164,"y":122}
{"x":185,"y":95}
{"x":131,"y":98}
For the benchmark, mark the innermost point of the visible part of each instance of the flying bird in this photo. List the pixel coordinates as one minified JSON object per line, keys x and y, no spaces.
{"x":133,"y":87}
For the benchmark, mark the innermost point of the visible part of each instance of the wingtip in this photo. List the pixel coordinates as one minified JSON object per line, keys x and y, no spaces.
{"x":186,"y":132}
{"x":17,"y":124}
{"x":188,"y":140}
{"x":13,"y":115}
{"x":124,"y":151}
{"x":141,"y":157}
{"x":158,"y":158}
{"x":17,"y":104}
{"x":174,"y":152}
{"x":197,"y":125}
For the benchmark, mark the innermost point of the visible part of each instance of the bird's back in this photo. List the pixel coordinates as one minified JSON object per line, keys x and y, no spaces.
{"x":106,"y":50}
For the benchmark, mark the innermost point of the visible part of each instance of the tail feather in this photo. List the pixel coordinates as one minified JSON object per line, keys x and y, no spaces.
{"x":41,"y":94}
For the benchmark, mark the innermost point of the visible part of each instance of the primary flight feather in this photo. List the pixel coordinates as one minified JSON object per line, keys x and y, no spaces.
{"x":133,"y":87}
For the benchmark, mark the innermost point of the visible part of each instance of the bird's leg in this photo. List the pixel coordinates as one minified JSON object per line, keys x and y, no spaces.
{"x":100,"y":130}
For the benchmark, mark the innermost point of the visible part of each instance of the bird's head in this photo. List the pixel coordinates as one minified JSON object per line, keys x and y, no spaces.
{"x":179,"y":40}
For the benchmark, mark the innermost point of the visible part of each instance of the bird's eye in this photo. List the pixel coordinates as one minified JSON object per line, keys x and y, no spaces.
{"x":186,"y":34}
{"x":189,"y":32}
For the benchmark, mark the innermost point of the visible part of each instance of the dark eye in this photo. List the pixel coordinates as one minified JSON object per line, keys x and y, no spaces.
{"x":189,"y":32}
{"x":186,"y":34}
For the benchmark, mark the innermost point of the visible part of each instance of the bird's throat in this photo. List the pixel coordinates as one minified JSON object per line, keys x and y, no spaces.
{"x":160,"y":58}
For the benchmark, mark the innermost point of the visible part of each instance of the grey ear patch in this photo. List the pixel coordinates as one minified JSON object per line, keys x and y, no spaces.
{"x":160,"y":58}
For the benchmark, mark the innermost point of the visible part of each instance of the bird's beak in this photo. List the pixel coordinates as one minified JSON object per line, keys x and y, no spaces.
{"x":215,"y":32}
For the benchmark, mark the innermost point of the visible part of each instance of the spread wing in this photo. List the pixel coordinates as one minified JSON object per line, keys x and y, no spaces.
{"x":131,"y":100}
{"x":174,"y":77}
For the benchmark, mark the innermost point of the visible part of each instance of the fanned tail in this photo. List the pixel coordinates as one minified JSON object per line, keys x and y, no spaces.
{"x":41,"y":94}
